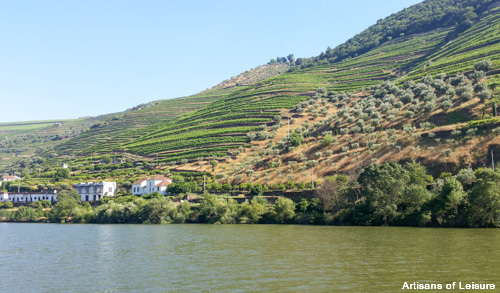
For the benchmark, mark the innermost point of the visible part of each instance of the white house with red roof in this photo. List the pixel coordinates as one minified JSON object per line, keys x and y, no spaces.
{"x":149,"y":185}
{"x":9,"y":178}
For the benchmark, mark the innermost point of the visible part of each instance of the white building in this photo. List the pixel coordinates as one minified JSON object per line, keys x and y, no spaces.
{"x":28,"y":196}
{"x":9,"y":178}
{"x":93,"y":191}
{"x":149,"y":185}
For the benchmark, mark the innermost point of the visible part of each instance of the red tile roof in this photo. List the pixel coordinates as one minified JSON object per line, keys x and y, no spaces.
{"x":139,"y":181}
{"x":163,"y":183}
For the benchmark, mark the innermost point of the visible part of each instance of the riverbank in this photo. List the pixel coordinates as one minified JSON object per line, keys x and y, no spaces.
{"x":388,"y":194}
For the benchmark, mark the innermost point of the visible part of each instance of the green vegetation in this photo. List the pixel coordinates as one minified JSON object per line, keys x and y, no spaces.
{"x":419,"y":18}
{"x":385,"y":194}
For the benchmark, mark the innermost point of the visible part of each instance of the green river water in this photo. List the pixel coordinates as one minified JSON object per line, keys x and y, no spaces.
{"x":242,"y":258}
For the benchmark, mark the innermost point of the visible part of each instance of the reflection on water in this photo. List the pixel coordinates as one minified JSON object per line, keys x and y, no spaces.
{"x":241,"y":258}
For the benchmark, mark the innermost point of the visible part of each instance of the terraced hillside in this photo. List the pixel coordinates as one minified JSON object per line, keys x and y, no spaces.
{"x":105,"y":135}
{"x":213,"y":130}
{"x":458,"y":56}
{"x":119,"y":128}
{"x":88,"y":137}
{"x":444,"y":122}
{"x":15,"y":127}
{"x":255,"y":75}
{"x":222,"y":126}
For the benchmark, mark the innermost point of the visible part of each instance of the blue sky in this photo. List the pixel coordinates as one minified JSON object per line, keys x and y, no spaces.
{"x":69,"y":59}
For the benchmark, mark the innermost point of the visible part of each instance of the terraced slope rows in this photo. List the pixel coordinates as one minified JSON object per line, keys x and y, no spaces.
{"x":213,"y":130}
{"x":477,"y":43}
{"x":222,"y":125}
{"x":445,"y":122}
{"x":101,"y":137}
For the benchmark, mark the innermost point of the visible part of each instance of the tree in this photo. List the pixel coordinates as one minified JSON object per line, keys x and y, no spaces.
{"x":25,"y":213}
{"x":209,"y":209}
{"x":152,"y":195}
{"x":303,"y":205}
{"x":446,"y":204}
{"x":483,"y":65}
{"x":256,"y":190}
{"x":332,"y":193}
{"x":61,"y":173}
{"x":383,"y":186}
{"x":418,"y":174}
{"x":8,"y":205}
{"x":183,"y":212}
{"x":413,"y":199}
{"x":127,"y":186}
{"x":290,"y":58}
{"x":252,"y":213}
{"x":328,"y":139}
{"x":484,"y":210}
{"x":66,"y":202}
{"x":296,"y":139}
{"x":284,"y":210}
{"x":106,"y":159}
{"x":157,"y":211}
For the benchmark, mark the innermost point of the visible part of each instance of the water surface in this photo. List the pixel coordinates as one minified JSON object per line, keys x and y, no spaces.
{"x":240,"y":258}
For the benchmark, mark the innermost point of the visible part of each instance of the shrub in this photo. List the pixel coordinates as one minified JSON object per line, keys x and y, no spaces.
{"x":284,"y":209}
{"x":409,"y":114}
{"x":483,"y":65}
{"x":296,"y":139}
{"x":446,"y":104}
{"x":471,"y":131}
{"x":430,"y":106}
{"x":477,"y":75}
{"x":447,"y":152}
{"x":328,"y":139}
{"x":484,"y":95}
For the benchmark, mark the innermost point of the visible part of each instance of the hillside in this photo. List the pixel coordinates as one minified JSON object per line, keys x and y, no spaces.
{"x":255,"y":75}
{"x":377,"y":98}
{"x":57,"y":141}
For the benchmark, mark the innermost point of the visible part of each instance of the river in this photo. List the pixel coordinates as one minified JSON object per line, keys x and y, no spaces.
{"x":241,"y":258}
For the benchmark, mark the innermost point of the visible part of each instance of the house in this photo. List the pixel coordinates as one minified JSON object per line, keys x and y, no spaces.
{"x":149,"y":185}
{"x":93,"y":191}
{"x":9,"y":178}
{"x":29,"y":196}
{"x":64,"y":165}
